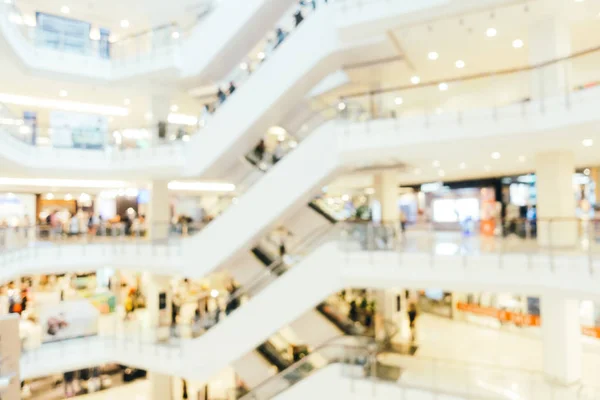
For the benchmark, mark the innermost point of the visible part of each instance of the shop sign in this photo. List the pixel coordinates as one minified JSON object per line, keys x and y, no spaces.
{"x":593,"y":331}
{"x":501,"y":315}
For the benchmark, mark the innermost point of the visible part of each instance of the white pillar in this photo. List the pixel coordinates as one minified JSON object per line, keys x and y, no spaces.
{"x":159,"y":214}
{"x":158,"y":292}
{"x":159,"y":108}
{"x":550,"y":39}
{"x":561,"y":339}
{"x":386,"y":192}
{"x":556,"y":225}
{"x":161,"y":386}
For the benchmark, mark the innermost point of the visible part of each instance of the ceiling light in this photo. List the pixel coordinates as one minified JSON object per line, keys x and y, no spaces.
{"x":433,"y":55}
{"x":417,"y":171}
{"x":441,"y":172}
{"x":460,"y":64}
{"x":174,"y":108}
{"x":63,"y":93}
{"x":185,"y":138}
{"x":148,"y":116}
{"x":491,"y":32}
{"x":214,"y":293}
{"x":586,"y":171}
{"x":202,"y":186}
{"x":175,"y":35}
{"x":415,"y":80}
{"x":462,"y":165}
{"x":369,"y":191}
{"x":436,"y":163}
{"x":439,"y":110}
{"x":61,"y":183}
{"x":487,"y":168}
{"x":68,"y":197}
{"x":345,"y":197}
{"x":341,"y":106}
{"x":496,"y":155}
{"x":522,"y":158}
{"x":260,"y":56}
{"x":443,"y":86}
{"x":244,"y":66}
{"x":398,"y":101}
{"x":124,"y":23}
{"x":588,"y":142}
{"x":95,"y":34}
{"x":182,"y":119}
{"x":65,"y":10}
{"x":277,"y":131}
{"x":517,"y":43}
{"x":63,"y":105}
{"x":127,"y":102}
{"x":49,"y":196}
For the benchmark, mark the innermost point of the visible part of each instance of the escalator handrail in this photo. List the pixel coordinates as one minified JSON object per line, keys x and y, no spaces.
{"x":368,"y":348}
{"x":306,"y":243}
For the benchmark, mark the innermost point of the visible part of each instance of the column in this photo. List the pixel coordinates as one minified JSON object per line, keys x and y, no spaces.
{"x":389,"y":315}
{"x":386,"y":192}
{"x":561,"y":339}
{"x":158,"y":293}
{"x":160,"y":386}
{"x":549,"y":37}
{"x":556,"y":225}
{"x":159,"y":115}
{"x":158,"y":219}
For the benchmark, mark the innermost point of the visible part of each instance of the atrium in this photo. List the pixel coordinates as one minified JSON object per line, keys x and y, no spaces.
{"x":293,"y":199}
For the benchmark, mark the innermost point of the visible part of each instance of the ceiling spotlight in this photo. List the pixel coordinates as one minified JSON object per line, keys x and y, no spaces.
{"x":148,"y":116}
{"x":124,"y":23}
{"x":496,"y":155}
{"x":175,"y":35}
{"x":417,"y":171}
{"x":260,"y":56}
{"x":415,"y":80}
{"x":433,"y":55}
{"x":522,"y":158}
{"x":398,"y":101}
{"x":244,"y":66}
{"x":443,"y":86}
{"x":462,"y":165}
{"x":517,"y":43}
{"x":63,"y":93}
{"x":442,"y":173}
{"x":49,"y":196}
{"x":586,"y":171}
{"x":487,"y":168}
{"x":439,"y":110}
{"x":460,"y":64}
{"x":436,"y":163}
{"x":68,"y":197}
{"x":341,"y":106}
{"x":588,"y":142}
{"x":65,"y":10}
{"x":491,"y":32}
{"x":214,"y":293}
{"x":174,"y":108}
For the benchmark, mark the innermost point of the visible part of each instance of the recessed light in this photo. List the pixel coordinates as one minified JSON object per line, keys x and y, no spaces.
{"x":244,"y":66}
{"x":517,"y":43}
{"x":415,"y":80}
{"x":127,"y":102}
{"x":588,"y":142}
{"x":63,"y":93}
{"x":341,"y":106}
{"x":175,"y":35}
{"x":214,"y":293}
{"x":49,"y":196}
{"x":68,"y":197}
{"x":124,"y":23}
{"x":586,"y":171}
{"x":436,"y":163}
{"x":441,"y":172}
{"x":433,"y":55}
{"x":496,"y":155}
{"x":487,"y":168}
{"x":65,"y":10}
{"x":417,"y":171}
{"x":491,"y":32}
{"x":443,"y":86}
{"x":522,"y":158}
{"x":174,"y":108}
{"x":462,"y":165}
{"x":460,"y":64}
{"x":398,"y":101}
{"x":260,"y":56}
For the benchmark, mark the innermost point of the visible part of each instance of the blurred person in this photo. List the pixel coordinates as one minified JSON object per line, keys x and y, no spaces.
{"x":298,"y":18}
{"x":231,"y":89}
{"x":221,"y":96}
{"x":277,"y":153}
{"x":412,"y":319}
{"x":73,"y":225}
{"x":403,"y":220}
{"x":259,"y":150}
{"x":280,"y":35}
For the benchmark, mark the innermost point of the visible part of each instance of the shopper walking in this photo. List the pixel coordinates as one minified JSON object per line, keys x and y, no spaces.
{"x":232,"y":88}
{"x":259,"y":150}
{"x":298,"y":18}
{"x":279,"y":37}
{"x":277,"y":153}
{"x":412,"y":319}
{"x":221,"y":96}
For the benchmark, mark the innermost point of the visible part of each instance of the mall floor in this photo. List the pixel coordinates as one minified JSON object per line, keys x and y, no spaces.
{"x":498,"y":359}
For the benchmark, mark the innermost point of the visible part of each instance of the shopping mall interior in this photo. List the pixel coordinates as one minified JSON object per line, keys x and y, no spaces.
{"x":424,"y":174}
